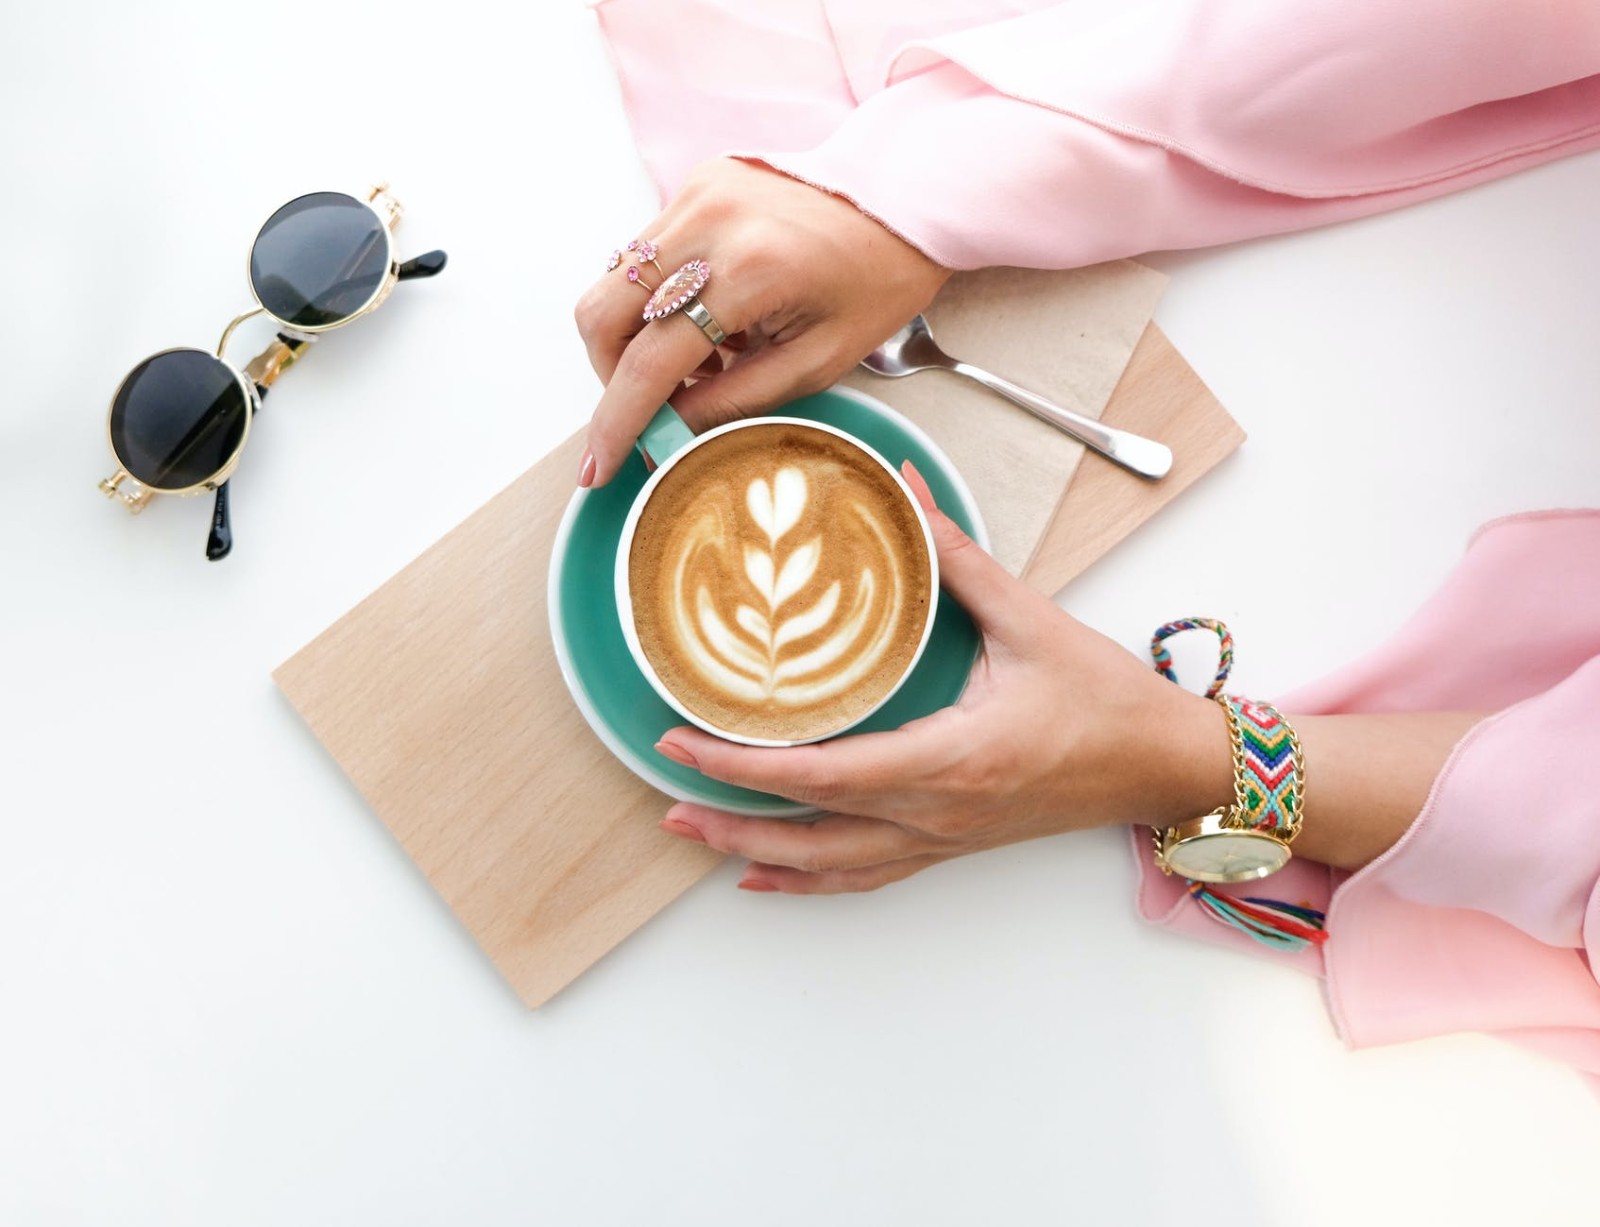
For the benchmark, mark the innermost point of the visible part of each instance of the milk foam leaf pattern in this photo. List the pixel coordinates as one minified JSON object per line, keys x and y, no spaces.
{"x":797,"y":571}
{"x":758,"y":570}
{"x":777,"y":508}
{"x":807,"y":628}
{"x":837,"y":644}
{"x":811,"y":621}
{"x":754,"y":624}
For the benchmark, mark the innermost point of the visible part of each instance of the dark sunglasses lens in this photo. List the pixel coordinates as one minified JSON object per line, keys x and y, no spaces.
{"x":178,"y":418}
{"x":319,"y":259}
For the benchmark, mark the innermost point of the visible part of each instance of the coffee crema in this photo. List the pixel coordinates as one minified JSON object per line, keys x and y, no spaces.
{"x":781,"y":582}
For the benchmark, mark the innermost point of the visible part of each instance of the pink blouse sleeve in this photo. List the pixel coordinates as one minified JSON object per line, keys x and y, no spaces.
{"x":1486,"y":915}
{"x":1067,"y":134}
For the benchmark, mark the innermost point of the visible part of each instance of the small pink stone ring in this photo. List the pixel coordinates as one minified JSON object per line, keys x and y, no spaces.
{"x":681,"y":292}
{"x":643,"y":249}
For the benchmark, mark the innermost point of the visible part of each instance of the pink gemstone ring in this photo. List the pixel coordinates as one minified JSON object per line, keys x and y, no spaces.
{"x":677,"y":290}
{"x":681,"y":292}
{"x":643,"y":249}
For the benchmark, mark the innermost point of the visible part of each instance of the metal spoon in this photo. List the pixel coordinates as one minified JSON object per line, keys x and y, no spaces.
{"x":912,"y":349}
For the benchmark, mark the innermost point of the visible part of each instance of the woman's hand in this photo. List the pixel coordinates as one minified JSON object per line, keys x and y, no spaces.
{"x":1059,"y":729}
{"x":804,"y":284}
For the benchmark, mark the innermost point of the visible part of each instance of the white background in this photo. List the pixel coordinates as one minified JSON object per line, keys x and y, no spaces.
{"x":226,"y":996}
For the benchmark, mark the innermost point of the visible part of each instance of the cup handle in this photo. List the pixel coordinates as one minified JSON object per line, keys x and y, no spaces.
{"x":666,"y":434}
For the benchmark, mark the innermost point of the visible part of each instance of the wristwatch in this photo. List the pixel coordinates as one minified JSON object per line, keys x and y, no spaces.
{"x":1250,"y":838}
{"x":1209,"y":849}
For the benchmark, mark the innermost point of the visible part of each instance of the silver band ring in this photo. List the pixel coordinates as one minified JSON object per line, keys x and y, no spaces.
{"x":696,"y":311}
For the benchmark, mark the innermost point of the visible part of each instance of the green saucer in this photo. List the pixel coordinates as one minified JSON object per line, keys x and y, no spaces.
{"x":617,"y":701}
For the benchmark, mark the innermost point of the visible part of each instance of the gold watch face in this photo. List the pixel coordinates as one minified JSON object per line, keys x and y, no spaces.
{"x":1227,"y":856}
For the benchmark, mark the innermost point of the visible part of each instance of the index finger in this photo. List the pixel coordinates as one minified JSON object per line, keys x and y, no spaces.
{"x":652,"y":366}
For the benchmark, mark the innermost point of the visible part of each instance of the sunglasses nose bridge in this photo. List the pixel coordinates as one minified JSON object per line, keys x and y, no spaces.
{"x":227,"y":332}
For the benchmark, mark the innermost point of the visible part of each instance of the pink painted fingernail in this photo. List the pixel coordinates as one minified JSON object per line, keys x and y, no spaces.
{"x":677,"y":826}
{"x":756,"y":884}
{"x":586,"y":469}
{"x":677,"y":754}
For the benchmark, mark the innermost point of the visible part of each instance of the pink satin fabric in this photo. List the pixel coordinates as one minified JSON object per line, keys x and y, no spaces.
{"x":1055,"y":135}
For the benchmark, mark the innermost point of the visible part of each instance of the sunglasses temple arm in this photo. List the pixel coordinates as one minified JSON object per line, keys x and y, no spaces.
{"x":263,"y":371}
{"x":428,"y":264}
{"x":220,"y":542}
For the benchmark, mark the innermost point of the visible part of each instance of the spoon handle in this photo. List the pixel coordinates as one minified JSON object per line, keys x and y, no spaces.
{"x":1134,"y":452}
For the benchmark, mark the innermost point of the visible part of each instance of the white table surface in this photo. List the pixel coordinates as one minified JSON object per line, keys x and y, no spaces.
{"x":228,"y":997}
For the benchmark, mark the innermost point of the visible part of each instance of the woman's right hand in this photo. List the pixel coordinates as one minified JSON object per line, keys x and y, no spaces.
{"x":1059,"y":729}
{"x":804,"y":284}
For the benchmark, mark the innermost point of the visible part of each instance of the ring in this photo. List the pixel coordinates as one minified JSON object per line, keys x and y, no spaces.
{"x":681,"y":292}
{"x":696,"y":311}
{"x":645,"y":249}
{"x":635,"y":276}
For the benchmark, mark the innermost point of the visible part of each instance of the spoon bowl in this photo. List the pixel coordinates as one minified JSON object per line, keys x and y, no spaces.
{"x":913,"y":349}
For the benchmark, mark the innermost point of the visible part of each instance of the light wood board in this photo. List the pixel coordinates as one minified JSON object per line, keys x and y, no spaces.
{"x":440,"y":698}
{"x":1161,"y":397}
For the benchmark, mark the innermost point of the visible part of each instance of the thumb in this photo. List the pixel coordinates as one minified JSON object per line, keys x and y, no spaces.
{"x":1001,"y":605}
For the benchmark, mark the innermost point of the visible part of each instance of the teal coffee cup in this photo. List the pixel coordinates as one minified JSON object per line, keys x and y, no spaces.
{"x":776,"y":534}
{"x":597,"y":647}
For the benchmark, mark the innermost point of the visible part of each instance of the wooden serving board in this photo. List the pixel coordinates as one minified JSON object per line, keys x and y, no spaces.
{"x":440,"y":698}
{"x":1159,"y":396}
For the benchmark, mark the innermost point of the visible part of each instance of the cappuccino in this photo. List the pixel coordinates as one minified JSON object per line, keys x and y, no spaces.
{"x":781,"y":582}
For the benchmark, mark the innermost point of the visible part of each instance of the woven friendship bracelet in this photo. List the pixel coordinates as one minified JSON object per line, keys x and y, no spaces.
{"x":1163,"y":658}
{"x":1270,"y":780}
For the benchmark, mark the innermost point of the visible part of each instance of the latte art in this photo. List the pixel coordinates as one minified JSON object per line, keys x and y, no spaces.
{"x":792,"y":639}
{"x":781,"y":582}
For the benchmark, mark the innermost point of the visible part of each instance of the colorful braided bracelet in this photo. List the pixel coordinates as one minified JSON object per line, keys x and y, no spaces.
{"x":1269,"y":796}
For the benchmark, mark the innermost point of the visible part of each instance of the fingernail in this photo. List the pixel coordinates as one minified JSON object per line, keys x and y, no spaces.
{"x":677,"y":826}
{"x":586,"y":469}
{"x":918,"y":483}
{"x":677,"y":754}
{"x":756,"y":884}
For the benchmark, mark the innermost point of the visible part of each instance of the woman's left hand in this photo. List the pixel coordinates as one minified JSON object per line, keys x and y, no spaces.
{"x":805,"y":284}
{"x":1059,"y":729}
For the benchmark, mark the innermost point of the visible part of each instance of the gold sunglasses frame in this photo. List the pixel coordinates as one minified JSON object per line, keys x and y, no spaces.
{"x":263,"y":370}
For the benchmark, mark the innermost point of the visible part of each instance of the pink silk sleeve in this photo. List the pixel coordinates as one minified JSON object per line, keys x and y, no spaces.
{"x":1486,"y":915}
{"x":1067,"y":134}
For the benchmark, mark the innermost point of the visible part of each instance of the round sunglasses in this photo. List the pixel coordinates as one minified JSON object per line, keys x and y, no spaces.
{"x":180,"y":419}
